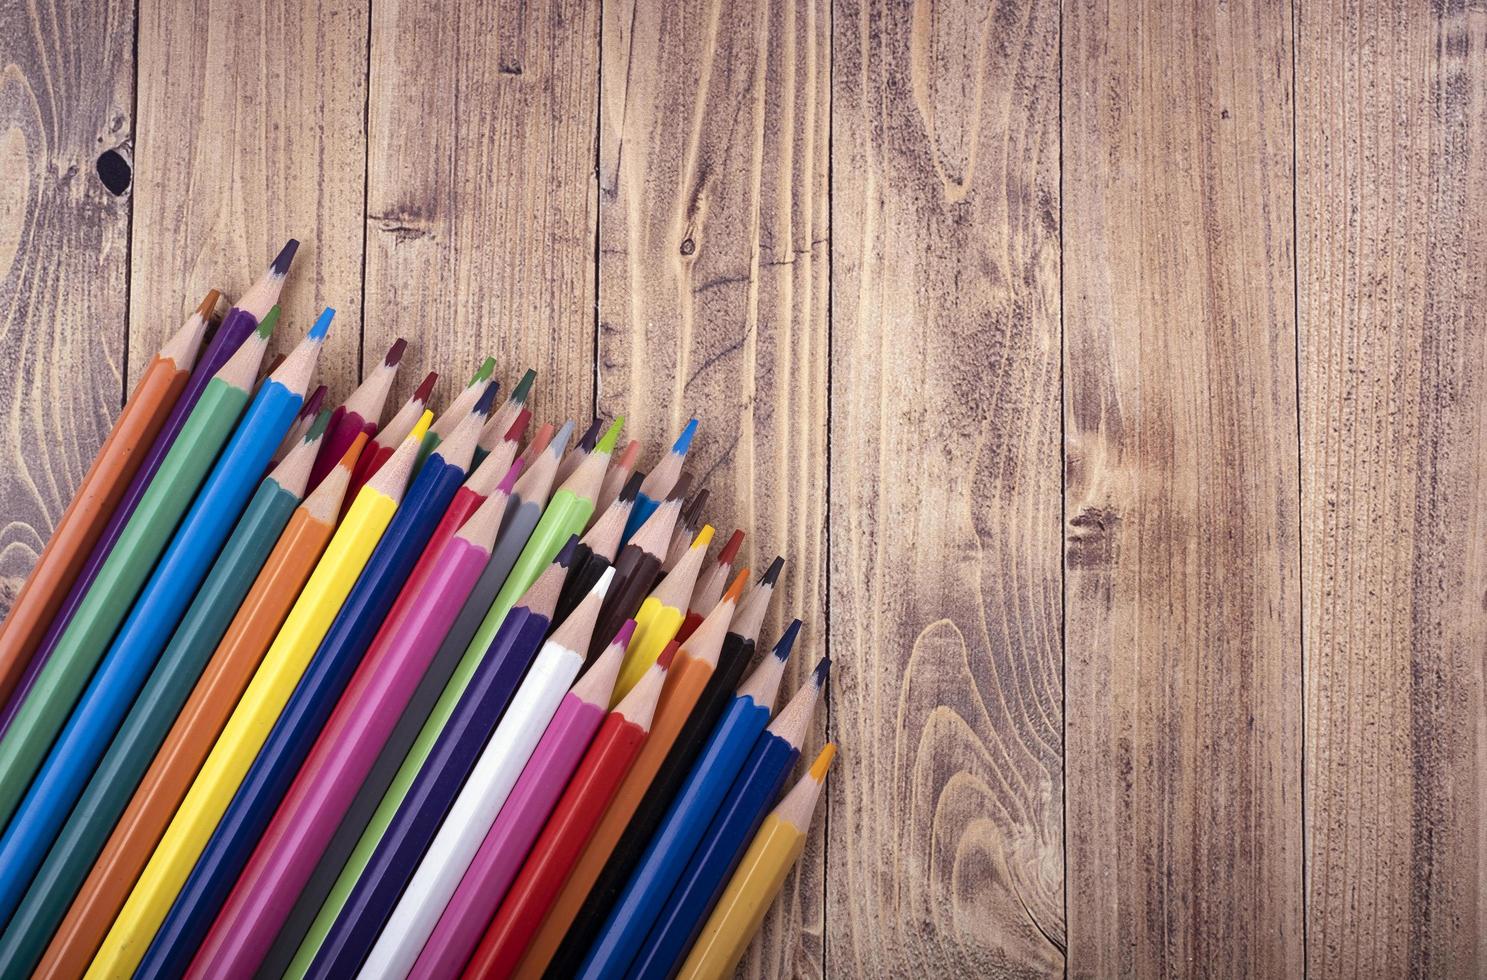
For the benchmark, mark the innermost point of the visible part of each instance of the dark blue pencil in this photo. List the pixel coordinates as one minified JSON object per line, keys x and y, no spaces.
{"x":728,"y":836}
{"x":335,"y":660}
{"x":438,"y":782}
{"x":698,"y":802}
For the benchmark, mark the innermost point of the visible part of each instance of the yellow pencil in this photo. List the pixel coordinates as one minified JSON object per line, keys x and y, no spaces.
{"x":760,"y":876}
{"x":256,"y":712}
{"x":661,"y":615}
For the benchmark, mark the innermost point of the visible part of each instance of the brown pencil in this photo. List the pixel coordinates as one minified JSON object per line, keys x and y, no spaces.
{"x":115,"y":465}
{"x":195,"y":730}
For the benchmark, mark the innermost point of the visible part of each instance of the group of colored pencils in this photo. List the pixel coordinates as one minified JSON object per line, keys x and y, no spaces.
{"x":293,"y":692}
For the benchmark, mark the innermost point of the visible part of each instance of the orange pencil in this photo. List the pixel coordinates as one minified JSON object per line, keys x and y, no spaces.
{"x":115,"y":465}
{"x":195,"y":730}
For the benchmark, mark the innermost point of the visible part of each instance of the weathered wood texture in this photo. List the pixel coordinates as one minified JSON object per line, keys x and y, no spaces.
{"x":66,"y":91}
{"x":946,"y":816}
{"x":1391,"y":153}
{"x":250,"y":133}
{"x":480,"y":194}
{"x":1182,"y":651}
{"x":713,"y":299}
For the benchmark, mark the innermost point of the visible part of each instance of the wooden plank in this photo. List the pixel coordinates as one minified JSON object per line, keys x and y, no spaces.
{"x":250,"y":133}
{"x":1182,"y":612}
{"x":480,"y":197}
{"x":66,"y":86}
{"x":947,"y":812}
{"x":713,"y":295}
{"x":1391,"y":159}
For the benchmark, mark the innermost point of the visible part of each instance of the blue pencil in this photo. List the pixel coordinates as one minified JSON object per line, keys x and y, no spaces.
{"x":315,"y":696}
{"x":439,"y":781}
{"x":728,"y":836}
{"x":157,"y":610}
{"x":699,"y":800}
{"x":659,"y":481}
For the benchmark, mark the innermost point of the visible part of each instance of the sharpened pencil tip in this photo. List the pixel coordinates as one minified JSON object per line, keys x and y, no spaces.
{"x":667,"y":655}
{"x":268,"y":323}
{"x":426,"y":387}
{"x":611,"y":437}
{"x":684,"y":441}
{"x":518,"y":427}
{"x":823,"y":762}
{"x":486,"y":369}
{"x":730,"y":550}
{"x":623,"y":634}
{"x":818,"y":676}
{"x":560,"y":441}
{"x":280,"y":265}
{"x":736,"y":589}
{"x":601,"y":587}
{"x":509,"y":480}
{"x":523,"y":387}
{"x":322,"y":323}
{"x":395,"y":352}
{"x":782,"y":648}
{"x":772,"y":574}
{"x":704,"y":537}
{"x":565,"y":556}
{"x":631,"y":489}
{"x":208,"y":304}
{"x":487,"y":399}
{"x":422,"y":427}
{"x":312,"y":404}
{"x":317,"y":427}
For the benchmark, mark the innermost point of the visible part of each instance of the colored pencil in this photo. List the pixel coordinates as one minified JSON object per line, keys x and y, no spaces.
{"x":59,"y":684}
{"x":710,"y":586}
{"x":303,"y":716}
{"x":563,"y":835}
{"x":458,"y":409}
{"x":361,"y":412}
{"x":681,"y":728}
{"x":428,"y":711}
{"x":596,"y":550}
{"x":761,"y":874}
{"x":103,"y":486}
{"x":389,"y":438}
{"x":241,"y":321}
{"x":161,"y":603}
{"x":638,"y":563}
{"x":498,"y":428}
{"x":581,"y":719}
{"x":687,"y":524}
{"x":110,"y":786}
{"x":579,"y":451}
{"x":438,"y":781}
{"x":621,"y":468}
{"x":749,"y":798}
{"x":540,"y":440}
{"x":266,"y":694}
{"x":661,"y":480}
{"x":262,"y":896}
{"x":676,"y":839}
{"x":195,"y":730}
{"x":661,"y":615}
{"x":548,"y":703}
{"x":308,"y":412}
{"x":566,"y":515}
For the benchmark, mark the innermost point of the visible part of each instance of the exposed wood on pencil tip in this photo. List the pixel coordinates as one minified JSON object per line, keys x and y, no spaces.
{"x":313,"y":403}
{"x":324,"y":502}
{"x":322,"y":419}
{"x":577,"y":631}
{"x":794,"y":719}
{"x":293,"y":471}
{"x":459,"y":447}
{"x":391,"y":478}
{"x":184,"y":345}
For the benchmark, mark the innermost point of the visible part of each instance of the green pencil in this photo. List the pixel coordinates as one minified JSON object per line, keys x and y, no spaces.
{"x":457,"y":410}
{"x":113,"y":592}
{"x":154,"y":711}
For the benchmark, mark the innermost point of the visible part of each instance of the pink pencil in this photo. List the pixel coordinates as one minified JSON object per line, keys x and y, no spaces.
{"x":360,"y":413}
{"x":505,"y":847}
{"x":344,"y":753}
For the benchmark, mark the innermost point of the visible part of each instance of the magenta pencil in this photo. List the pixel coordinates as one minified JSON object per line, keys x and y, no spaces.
{"x":516,"y":827}
{"x":333,"y":772}
{"x":362,"y":412}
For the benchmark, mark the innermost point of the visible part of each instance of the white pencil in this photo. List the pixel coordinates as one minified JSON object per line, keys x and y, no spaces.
{"x":480,"y":800}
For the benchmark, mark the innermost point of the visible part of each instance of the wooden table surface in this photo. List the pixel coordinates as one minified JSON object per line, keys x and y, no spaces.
{"x":1111,"y":374}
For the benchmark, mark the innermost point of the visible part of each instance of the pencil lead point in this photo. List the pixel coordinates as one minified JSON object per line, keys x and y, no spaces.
{"x":280,"y":265}
{"x":208,"y":304}
{"x":322,"y":324}
{"x":782,"y":648}
{"x":631,"y":489}
{"x":395,"y":352}
{"x":486,"y":369}
{"x":422,"y":427}
{"x":818,"y":676}
{"x":611,"y":437}
{"x":823,"y":762}
{"x":623,"y":634}
{"x":560,"y":441}
{"x":317,"y":428}
{"x":312,"y":404}
{"x":730,"y":550}
{"x":519,"y":393}
{"x":565,"y":556}
{"x":684,"y":441}
{"x":772,"y":575}
{"x":667,"y":655}
{"x":268,"y":323}
{"x":426,"y":387}
{"x":509,"y":480}
{"x":487,"y":398}
{"x":519,"y":426}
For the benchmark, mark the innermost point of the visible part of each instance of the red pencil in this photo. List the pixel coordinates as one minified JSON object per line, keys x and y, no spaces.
{"x":361,"y":412}
{"x":567,"y":831}
{"x":389,"y":438}
{"x":709,"y":587}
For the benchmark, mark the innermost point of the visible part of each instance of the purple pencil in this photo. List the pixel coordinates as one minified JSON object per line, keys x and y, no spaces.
{"x":510,"y":838}
{"x":364,"y":718}
{"x":236,"y":327}
{"x":361,"y":412}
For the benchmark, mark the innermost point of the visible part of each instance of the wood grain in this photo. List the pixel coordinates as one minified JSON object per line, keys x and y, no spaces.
{"x":1391,"y":151}
{"x":713,"y":300}
{"x":946,"y":810}
{"x":480,"y":196}
{"x":1183,"y":659}
{"x":66,"y":87}
{"x":250,"y":133}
